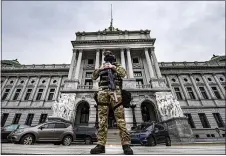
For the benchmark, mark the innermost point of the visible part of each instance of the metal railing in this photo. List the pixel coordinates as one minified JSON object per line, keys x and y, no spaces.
{"x":144,"y":86}
{"x":85,"y":86}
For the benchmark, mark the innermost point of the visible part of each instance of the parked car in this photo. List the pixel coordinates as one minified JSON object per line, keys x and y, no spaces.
{"x":86,"y":134}
{"x":6,"y":130}
{"x":150,"y":134}
{"x":53,"y":132}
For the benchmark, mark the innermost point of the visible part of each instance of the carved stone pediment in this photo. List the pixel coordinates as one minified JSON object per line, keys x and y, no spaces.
{"x":168,"y":106}
{"x":64,"y":108}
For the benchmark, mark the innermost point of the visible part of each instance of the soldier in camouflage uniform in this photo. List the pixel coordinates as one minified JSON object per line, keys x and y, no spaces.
{"x":107,"y":98}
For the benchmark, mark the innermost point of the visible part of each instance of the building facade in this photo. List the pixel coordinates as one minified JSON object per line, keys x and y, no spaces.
{"x":29,"y":91}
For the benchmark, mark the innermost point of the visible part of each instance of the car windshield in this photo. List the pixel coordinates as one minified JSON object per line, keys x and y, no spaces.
{"x":148,"y":128}
{"x":10,"y":127}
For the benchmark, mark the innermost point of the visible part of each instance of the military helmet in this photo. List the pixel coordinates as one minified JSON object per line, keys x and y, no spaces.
{"x":108,"y":52}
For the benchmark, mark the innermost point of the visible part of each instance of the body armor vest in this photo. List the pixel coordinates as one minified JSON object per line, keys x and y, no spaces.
{"x":105,"y":80}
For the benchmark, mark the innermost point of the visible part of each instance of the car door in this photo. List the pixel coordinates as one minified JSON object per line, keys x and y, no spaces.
{"x":157,"y":133}
{"x":80,"y":133}
{"x":160,"y":133}
{"x":46,"y":132}
{"x":59,"y":130}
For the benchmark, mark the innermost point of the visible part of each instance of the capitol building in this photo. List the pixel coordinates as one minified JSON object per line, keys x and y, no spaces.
{"x":29,"y":91}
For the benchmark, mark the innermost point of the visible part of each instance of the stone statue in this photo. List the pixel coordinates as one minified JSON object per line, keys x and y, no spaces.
{"x":64,"y":108}
{"x":168,"y":106}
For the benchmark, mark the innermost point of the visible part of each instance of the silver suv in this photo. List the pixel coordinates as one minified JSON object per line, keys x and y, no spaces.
{"x":54,"y":132}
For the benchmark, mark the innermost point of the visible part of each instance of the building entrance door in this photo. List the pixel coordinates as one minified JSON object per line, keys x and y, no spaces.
{"x":111,"y":119}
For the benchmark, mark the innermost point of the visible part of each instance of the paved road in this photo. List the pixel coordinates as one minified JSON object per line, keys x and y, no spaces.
{"x":112,"y":149}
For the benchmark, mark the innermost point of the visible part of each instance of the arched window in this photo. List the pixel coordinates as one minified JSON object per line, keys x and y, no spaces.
{"x":145,"y":113}
{"x":84,"y":114}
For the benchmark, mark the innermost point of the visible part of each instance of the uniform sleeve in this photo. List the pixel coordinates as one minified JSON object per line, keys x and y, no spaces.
{"x":96,"y":74}
{"x":120,"y":71}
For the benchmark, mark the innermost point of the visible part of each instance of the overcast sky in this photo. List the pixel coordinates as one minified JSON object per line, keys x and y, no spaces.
{"x":41,"y":32}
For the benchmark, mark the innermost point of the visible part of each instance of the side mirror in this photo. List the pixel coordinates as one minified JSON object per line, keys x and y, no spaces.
{"x":41,"y":127}
{"x":156,"y":130}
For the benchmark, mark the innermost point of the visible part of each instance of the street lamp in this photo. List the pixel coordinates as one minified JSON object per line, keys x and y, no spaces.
{"x":96,"y":123}
{"x":133,"y":106}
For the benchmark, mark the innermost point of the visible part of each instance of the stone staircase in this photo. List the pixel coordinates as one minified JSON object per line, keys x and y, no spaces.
{"x":113,"y":137}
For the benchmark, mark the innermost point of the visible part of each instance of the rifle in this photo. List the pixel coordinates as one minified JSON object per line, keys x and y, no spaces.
{"x":111,"y":80}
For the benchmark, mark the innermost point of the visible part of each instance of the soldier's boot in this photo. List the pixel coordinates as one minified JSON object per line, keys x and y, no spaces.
{"x":98,"y":149}
{"x":127,"y":150}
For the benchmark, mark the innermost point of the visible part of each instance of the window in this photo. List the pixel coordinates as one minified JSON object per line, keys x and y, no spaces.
{"x":137,"y":74}
{"x":89,"y":83}
{"x":139,"y":82}
{"x":212,"y":135}
{"x":223,"y":135}
{"x":84,"y":115}
{"x":51,"y":94}
{"x":5,"y":94}
{"x":209,"y":79}
{"x":178,"y":93}
{"x":221,"y":79}
{"x":39,"y":95}
{"x":43,"y":118}
{"x":204,"y":121}
{"x":29,"y":119}
{"x":216,"y":92}
{"x":190,"y":120}
{"x":49,"y":126}
{"x":190,"y":93}
{"x":185,"y":79}
{"x":60,"y":125}
{"x":17,"y":93}
{"x":16,"y":118}
{"x":208,"y":135}
{"x":196,"y":136}
{"x":203,"y":92}
{"x":4,"y":118}
{"x":28,"y":94}
{"x":218,"y":119}
{"x":88,"y":75}
{"x":174,"y":80}
{"x":197,"y":79}
{"x":90,"y":61}
{"x":135,"y":60}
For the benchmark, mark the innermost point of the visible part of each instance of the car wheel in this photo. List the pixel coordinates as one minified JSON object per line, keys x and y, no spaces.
{"x":67,"y":140}
{"x":151,"y":141}
{"x":88,"y":141}
{"x":27,"y":139}
{"x":168,"y":141}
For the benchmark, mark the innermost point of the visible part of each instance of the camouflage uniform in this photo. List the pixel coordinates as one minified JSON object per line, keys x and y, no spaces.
{"x":105,"y":100}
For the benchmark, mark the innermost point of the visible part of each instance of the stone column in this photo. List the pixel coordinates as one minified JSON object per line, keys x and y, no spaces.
{"x":130,"y":66}
{"x":72,"y":65}
{"x":23,"y":89}
{"x":46,"y":90}
{"x":171,"y":88}
{"x":34,"y":91}
{"x":4,"y":83}
{"x":78,"y":64}
{"x":123,"y":63}
{"x":150,"y":67}
{"x":220,"y":86}
{"x":196,"y":88}
{"x":97,"y":64}
{"x":102,"y":57}
{"x":12,"y":90}
{"x":157,"y":69}
{"x":58,"y":89}
{"x":208,"y":87}
{"x":183,"y":88}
